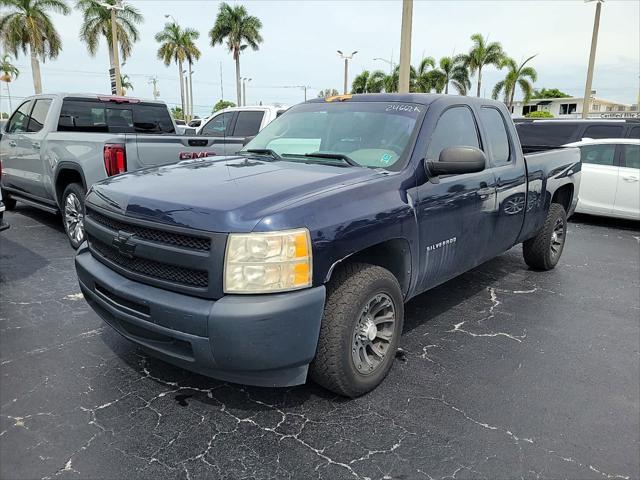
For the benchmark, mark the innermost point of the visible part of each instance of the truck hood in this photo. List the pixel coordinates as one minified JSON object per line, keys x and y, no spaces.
{"x":224,"y":194}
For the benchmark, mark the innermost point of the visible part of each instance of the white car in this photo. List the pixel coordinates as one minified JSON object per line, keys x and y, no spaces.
{"x":610,"y":184}
{"x":235,"y":126}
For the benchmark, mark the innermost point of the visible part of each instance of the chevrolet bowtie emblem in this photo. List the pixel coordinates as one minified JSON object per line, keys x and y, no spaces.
{"x":122,"y":241}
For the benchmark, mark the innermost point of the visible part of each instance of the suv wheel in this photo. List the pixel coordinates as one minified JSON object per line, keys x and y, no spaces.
{"x":543,"y":251}
{"x":73,"y":213}
{"x":360,"y":330}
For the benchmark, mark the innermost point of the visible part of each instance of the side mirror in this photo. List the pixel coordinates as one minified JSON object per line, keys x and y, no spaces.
{"x":457,"y":160}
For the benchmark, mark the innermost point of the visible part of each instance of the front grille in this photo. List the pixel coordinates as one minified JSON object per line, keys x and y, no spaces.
{"x":152,"y":234}
{"x":150,"y":268}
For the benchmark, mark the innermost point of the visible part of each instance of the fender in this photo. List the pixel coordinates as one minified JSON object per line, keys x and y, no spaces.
{"x":66,"y":165}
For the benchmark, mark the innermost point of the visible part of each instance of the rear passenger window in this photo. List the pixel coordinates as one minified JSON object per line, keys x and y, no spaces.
{"x":598,"y":154}
{"x":18,"y":121}
{"x":39,"y":114}
{"x":634,"y":132}
{"x":603,"y":131}
{"x":497,"y":137}
{"x":631,"y":156}
{"x":456,"y":128}
{"x":248,"y":124}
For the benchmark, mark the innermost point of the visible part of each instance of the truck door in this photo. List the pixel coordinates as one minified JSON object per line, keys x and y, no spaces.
{"x":628,"y":193}
{"x":454,"y":212}
{"x":219,"y":127}
{"x":510,"y":176}
{"x":246,"y":126}
{"x":30,"y":144}
{"x":13,"y":174}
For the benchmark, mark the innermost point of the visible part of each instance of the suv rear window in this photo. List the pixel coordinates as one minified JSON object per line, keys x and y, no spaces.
{"x":603,"y":131}
{"x":537,"y":135}
{"x":88,"y":115}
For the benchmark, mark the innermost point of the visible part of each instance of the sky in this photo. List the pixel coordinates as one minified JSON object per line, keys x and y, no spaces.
{"x":301,"y":39}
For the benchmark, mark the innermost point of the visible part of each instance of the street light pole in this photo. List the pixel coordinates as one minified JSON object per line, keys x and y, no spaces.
{"x":244,"y":90}
{"x":114,"y":41}
{"x":388,"y":62}
{"x":405,"y":46}
{"x":346,"y":68}
{"x":586,"y":102}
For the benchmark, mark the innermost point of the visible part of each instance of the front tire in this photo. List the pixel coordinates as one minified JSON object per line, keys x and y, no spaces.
{"x":362,"y":324}
{"x":543,"y":251}
{"x":73,"y":213}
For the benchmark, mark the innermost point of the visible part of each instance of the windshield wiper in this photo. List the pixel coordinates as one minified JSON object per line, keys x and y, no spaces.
{"x":337,"y":156}
{"x":264,"y":151}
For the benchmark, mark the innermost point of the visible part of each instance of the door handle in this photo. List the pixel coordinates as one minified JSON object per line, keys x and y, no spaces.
{"x":36,"y":145}
{"x":630,"y":179}
{"x":12,"y":143}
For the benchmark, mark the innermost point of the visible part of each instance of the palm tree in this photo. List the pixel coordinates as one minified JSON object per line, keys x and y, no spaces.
{"x":517,"y":75}
{"x":391,"y":81}
{"x":424,"y":81}
{"x":193,"y":54}
{"x":9,"y":73}
{"x":126,"y":84}
{"x":368,"y":82}
{"x":176,"y":45}
{"x":96,"y":24}
{"x":454,"y":72}
{"x":481,"y":54}
{"x":240,"y":30}
{"x":28,"y":26}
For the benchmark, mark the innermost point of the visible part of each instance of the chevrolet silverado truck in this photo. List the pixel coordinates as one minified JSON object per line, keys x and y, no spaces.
{"x":55,"y":146}
{"x":295,"y":256}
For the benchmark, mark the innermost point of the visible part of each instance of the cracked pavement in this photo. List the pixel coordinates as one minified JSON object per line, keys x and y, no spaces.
{"x":503,"y":373}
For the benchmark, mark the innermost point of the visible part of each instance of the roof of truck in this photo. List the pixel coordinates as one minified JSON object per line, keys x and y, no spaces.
{"x":419,"y":98}
{"x":97,"y":96}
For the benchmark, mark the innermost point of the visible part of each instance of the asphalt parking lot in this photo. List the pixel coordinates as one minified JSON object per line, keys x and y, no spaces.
{"x":504,"y":373}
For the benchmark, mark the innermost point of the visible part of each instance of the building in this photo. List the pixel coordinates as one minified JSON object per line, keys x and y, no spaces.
{"x":571,"y":107}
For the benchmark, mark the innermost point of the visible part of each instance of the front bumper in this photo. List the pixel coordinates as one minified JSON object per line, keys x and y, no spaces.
{"x":264,"y":340}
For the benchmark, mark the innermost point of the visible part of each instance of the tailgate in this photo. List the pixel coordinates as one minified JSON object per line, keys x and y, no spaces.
{"x":165,"y":149}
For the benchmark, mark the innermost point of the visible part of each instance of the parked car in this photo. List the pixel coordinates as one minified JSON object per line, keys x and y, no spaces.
{"x":54,"y":147}
{"x":610,"y":183}
{"x":3,"y":225}
{"x":539,"y":135}
{"x":297,"y":255}
{"x":233,"y":127}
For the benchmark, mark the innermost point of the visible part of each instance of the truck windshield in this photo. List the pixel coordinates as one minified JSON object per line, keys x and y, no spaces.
{"x":372,"y":134}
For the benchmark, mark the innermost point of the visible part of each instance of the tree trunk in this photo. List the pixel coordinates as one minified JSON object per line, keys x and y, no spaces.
{"x":479,"y":80}
{"x":513,"y":92}
{"x":9,"y":97}
{"x":184,"y":114}
{"x":35,"y":71}
{"x":239,"y":93}
{"x":446,"y":87}
{"x":190,"y":93}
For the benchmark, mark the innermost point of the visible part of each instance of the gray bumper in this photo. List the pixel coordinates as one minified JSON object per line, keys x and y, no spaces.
{"x":265,"y":340}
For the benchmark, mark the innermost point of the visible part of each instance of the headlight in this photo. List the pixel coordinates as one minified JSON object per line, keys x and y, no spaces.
{"x":267,"y":262}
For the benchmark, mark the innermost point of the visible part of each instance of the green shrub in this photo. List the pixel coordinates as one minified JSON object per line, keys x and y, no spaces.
{"x":539,"y":114}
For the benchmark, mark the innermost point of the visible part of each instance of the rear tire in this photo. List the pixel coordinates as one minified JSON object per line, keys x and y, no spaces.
{"x":9,"y":203}
{"x":72,"y":208}
{"x":359,"y":336}
{"x":543,"y":251}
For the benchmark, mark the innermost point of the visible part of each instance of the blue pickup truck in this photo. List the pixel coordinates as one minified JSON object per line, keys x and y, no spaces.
{"x":295,"y":256}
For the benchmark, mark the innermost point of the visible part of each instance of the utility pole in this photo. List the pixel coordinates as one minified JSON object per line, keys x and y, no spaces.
{"x":405,"y":46}
{"x":586,"y":105}
{"x":114,"y":44}
{"x":190,"y":97}
{"x":244,"y":90}
{"x":346,"y":68}
{"x":221,"y":87}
